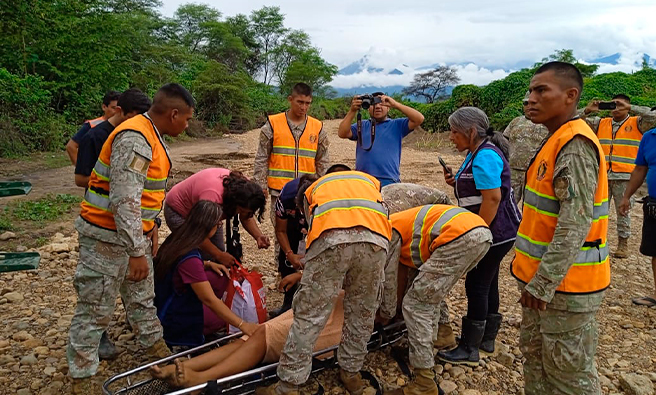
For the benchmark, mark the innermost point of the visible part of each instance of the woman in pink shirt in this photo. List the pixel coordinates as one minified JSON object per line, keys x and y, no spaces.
{"x":187,"y":290}
{"x":233,"y":192}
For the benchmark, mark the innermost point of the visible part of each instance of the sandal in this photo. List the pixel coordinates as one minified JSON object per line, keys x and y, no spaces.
{"x":644,"y":301}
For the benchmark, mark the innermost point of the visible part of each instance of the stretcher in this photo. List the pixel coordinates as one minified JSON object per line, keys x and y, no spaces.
{"x":14,"y":261}
{"x":12,"y":188}
{"x":138,"y":381}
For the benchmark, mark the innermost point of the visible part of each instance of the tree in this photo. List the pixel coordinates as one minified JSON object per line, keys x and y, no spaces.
{"x":567,"y":56}
{"x":241,"y":27}
{"x":431,"y":84}
{"x":192,"y":22}
{"x":291,"y":47}
{"x":268,"y":26}
{"x":308,"y":67}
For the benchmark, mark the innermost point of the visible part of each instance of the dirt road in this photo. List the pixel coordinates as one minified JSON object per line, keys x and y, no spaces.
{"x":36,"y":316}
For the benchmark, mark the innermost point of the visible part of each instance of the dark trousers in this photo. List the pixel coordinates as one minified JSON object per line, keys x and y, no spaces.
{"x":285,"y":268}
{"x":482,"y":283}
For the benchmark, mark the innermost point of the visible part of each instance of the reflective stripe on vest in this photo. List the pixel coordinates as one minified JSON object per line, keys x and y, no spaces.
{"x":96,"y":208}
{"x":346,"y":200}
{"x":620,"y":150}
{"x":436,"y":230}
{"x":590,"y":270}
{"x":290,"y":159}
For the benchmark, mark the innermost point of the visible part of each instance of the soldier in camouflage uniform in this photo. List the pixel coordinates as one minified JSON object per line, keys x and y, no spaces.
{"x":619,"y":180}
{"x":400,"y":197}
{"x":426,"y":290}
{"x":558,"y":334}
{"x":120,"y":262}
{"x":525,"y":140}
{"x":351,"y":259}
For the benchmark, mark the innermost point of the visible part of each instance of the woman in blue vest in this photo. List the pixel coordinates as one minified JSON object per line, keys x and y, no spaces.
{"x":187,"y":290}
{"x":482,"y":185}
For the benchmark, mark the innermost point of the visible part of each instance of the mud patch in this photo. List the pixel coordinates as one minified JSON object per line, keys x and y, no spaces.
{"x":219,"y":160}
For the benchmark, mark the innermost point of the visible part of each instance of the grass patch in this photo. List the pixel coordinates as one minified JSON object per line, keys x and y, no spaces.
{"x":45,"y":209}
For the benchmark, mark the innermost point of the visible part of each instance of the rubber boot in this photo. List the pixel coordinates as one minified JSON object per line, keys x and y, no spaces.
{"x":467,"y":351}
{"x":106,"y":349}
{"x":159,"y":350}
{"x":354,"y":383}
{"x":84,"y":386}
{"x":622,"y":250}
{"x":446,"y":340}
{"x":286,"y":303}
{"x":423,"y":384}
{"x":492,"y":325}
{"x":279,"y":388}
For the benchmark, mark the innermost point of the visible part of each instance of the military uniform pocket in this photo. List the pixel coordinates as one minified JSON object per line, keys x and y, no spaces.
{"x":572,"y":350}
{"x":92,"y":287}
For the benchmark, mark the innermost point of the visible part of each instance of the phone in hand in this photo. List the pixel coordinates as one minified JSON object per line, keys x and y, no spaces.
{"x":443,"y":163}
{"x":607,"y":105}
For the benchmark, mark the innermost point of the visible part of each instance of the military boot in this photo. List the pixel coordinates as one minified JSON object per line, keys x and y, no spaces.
{"x":446,"y":340}
{"x":423,"y":384}
{"x":467,"y":351}
{"x":159,"y":350}
{"x":106,"y":349}
{"x":355,"y":384}
{"x":622,"y":250}
{"x":84,"y":386}
{"x":492,"y":325}
{"x":279,"y":388}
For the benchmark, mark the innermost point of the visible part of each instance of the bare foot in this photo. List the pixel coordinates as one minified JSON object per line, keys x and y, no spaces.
{"x":166,"y":373}
{"x":179,"y":379}
{"x":185,"y":377}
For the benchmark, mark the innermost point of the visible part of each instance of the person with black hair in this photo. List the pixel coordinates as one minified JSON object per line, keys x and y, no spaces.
{"x":117,"y":228}
{"x":561,"y":254}
{"x":292,"y":143}
{"x":109,"y":104}
{"x":187,"y":292}
{"x":620,"y":136}
{"x":131,"y":102}
{"x":290,"y":232}
{"x":482,"y":185}
{"x":235,"y":195}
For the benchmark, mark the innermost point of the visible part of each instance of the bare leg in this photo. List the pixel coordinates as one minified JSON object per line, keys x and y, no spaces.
{"x":243,"y":358}
{"x":211,"y":358}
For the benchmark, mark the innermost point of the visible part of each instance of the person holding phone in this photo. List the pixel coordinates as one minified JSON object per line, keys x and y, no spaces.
{"x":483,"y":186}
{"x":620,"y":136}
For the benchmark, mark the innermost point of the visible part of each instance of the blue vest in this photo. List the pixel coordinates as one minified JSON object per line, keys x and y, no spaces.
{"x":181,"y":314}
{"x":506,"y":222}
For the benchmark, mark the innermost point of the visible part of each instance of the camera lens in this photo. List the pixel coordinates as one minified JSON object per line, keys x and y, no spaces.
{"x":365,"y":104}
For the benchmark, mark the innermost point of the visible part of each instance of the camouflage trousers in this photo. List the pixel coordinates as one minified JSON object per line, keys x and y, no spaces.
{"x":443,"y":317}
{"x":616,"y":189}
{"x":446,"y":265}
{"x":559,"y":347}
{"x":517,"y":183}
{"x":96,"y":301}
{"x":358,"y":269}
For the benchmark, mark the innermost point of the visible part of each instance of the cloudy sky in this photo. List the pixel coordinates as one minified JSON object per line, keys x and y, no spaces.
{"x":485,"y":38}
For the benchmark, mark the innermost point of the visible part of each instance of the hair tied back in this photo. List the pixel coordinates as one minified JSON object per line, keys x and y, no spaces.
{"x":490,"y":131}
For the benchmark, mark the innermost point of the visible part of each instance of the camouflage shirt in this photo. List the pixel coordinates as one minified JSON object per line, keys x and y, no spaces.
{"x":261,"y":166}
{"x":404,"y":196}
{"x":575,"y":182}
{"x":646,"y":121}
{"x":525,"y":139}
{"x":126,"y":187}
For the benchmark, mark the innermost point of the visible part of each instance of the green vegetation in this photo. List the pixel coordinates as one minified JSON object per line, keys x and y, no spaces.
{"x":46,"y":209}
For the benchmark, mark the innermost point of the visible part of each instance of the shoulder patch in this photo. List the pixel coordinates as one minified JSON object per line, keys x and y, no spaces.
{"x":139,"y":164}
{"x":542,"y":170}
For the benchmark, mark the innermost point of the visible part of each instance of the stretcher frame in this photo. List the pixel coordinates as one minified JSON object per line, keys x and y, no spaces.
{"x":245,"y":383}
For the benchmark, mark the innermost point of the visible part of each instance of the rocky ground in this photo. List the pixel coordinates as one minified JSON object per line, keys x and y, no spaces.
{"x":36,"y":306}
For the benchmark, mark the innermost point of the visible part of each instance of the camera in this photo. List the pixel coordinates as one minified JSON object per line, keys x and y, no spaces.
{"x":607,"y":105}
{"x":368,"y":100}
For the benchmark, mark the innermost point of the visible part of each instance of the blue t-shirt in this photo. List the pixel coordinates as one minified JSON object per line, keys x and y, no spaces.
{"x":77,"y":137}
{"x":383,"y":161}
{"x":487,"y":169}
{"x":90,"y":147}
{"x":647,"y":157}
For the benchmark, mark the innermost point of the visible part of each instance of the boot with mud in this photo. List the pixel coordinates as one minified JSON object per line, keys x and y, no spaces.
{"x":279,"y":388}
{"x":622,"y":250}
{"x":467,"y":351}
{"x":492,"y":325}
{"x":107,"y":350}
{"x":86,"y":385}
{"x":446,"y":340}
{"x":423,"y":384}
{"x":355,"y":384}
{"x":159,"y":350}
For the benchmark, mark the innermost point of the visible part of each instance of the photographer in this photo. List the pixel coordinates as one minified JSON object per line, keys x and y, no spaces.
{"x":378,"y":152}
{"x":619,"y":136}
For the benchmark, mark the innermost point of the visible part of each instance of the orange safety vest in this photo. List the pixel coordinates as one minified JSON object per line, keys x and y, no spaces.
{"x":590,"y":271}
{"x":424,"y":229}
{"x":95,"y":122}
{"x":345,"y":200}
{"x":290,"y":159}
{"x":95,"y":206}
{"x":621,"y":150}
